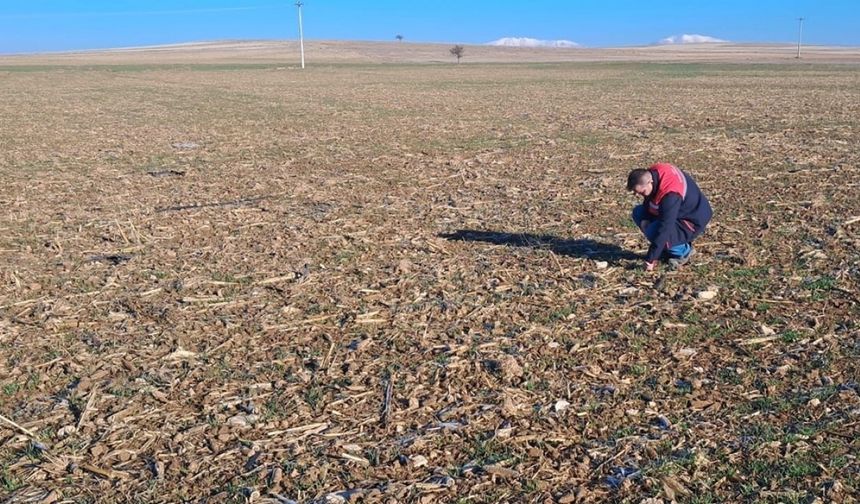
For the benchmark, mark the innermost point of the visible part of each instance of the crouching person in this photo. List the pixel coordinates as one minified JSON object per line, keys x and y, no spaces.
{"x":673,"y":213}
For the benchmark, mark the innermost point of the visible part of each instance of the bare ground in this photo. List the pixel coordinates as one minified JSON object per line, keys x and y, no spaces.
{"x":418,"y":283}
{"x":331,"y":51}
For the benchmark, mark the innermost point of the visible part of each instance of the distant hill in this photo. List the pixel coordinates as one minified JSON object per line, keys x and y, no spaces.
{"x":690,"y":39}
{"x":322,"y":52}
{"x":530,"y":42}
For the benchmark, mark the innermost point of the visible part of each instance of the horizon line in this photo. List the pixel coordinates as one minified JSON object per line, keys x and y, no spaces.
{"x":580,"y":47}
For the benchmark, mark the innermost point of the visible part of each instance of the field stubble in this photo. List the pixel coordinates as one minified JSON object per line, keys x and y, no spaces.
{"x":419,"y":283}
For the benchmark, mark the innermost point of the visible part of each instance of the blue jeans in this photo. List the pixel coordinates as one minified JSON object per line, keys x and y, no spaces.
{"x":640,"y":214}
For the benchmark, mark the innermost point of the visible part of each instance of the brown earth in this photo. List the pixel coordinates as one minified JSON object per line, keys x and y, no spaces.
{"x":327,"y":51}
{"x":229,"y":282}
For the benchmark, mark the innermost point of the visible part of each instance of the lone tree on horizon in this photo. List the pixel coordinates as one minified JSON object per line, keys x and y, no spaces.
{"x":399,"y":37}
{"x":457,"y":51}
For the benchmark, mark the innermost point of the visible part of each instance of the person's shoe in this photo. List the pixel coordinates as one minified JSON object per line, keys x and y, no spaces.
{"x":677,"y":262}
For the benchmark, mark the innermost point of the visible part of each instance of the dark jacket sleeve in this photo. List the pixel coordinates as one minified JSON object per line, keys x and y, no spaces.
{"x":669,"y":208}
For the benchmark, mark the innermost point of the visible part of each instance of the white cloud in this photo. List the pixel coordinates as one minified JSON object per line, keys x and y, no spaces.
{"x":690,"y":39}
{"x":530,"y":42}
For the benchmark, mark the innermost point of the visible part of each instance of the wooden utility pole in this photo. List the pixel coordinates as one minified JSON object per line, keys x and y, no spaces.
{"x":301,"y":35}
{"x":799,"y":35}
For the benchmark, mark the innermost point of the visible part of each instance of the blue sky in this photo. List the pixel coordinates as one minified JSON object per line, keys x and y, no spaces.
{"x":56,"y":25}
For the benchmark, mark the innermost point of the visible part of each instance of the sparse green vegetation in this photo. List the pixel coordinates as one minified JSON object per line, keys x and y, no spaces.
{"x":313,"y":395}
{"x":215,"y":270}
{"x":791,"y":336}
{"x":9,"y":482}
{"x":820,"y":287}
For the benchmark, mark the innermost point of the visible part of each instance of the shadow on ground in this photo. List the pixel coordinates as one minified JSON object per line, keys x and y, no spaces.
{"x":586,"y":248}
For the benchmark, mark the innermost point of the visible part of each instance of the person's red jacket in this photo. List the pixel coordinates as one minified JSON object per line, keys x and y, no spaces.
{"x":679,"y":205}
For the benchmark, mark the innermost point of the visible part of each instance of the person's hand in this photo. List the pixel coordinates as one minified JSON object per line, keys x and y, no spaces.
{"x":650,"y":265}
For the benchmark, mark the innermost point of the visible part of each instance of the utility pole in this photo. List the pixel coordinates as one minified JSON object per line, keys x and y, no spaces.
{"x":301,"y":35}
{"x":799,"y":35}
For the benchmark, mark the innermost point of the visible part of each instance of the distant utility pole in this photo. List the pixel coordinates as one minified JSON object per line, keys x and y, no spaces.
{"x":301,"y":35}
{"x":799,"y":34}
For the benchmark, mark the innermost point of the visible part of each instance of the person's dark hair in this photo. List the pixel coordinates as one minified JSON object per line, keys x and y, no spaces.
{"x":635,"y":178}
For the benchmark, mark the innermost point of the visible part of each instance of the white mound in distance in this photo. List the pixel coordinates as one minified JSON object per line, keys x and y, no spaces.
{"x":530,"y":42}
{"x":690,"y":39}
